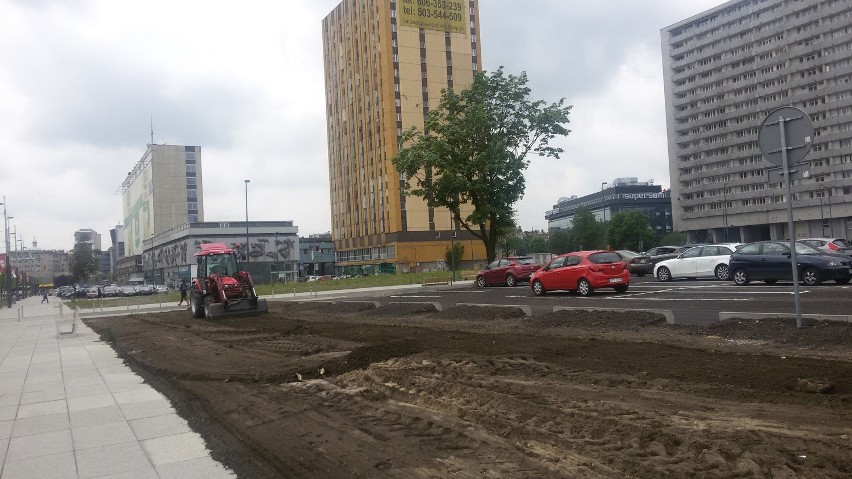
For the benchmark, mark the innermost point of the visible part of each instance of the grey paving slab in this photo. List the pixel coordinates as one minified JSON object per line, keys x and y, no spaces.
{"x":146,"y":409}
{"x":51,"y":394}
{"x":4,"y":445}
{"x":7,"y":413}
{"x":6,"y":430}
{"x":102,"y":435}
{"x":58,"y":466}
{"x":96,"y":416}
{"x":40,"y":424}
{"x":138,"y":474}
{"x":114,"y":459}
{"x":139,"y":394}
{"x":90,"y":402}
{"x":176,"y":448}
{"x":159,"y":426}
{"x":42,"y":408}
{"x":200,"y":467}
{"x":12,"y":399}
{"x":36,"y":445}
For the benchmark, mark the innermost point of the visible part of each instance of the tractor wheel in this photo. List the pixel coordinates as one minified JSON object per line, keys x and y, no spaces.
{"x":196,"y":305}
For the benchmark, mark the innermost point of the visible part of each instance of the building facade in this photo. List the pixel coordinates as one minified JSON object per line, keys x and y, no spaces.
{"x":316,"y":255}
{"x":273,"y":251}
{"x":41,"y":266}
{"x":386,"y":63}
{"x":623,"y":194}
{"x":725,"y":70}
{"x":88,"y":237}
{"x":163,"y":191}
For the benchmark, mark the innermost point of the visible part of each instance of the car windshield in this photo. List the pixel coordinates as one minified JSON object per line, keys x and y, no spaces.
{"x":604,"y":258}
{"x":841,"y":242}
{"x":627,"y":254}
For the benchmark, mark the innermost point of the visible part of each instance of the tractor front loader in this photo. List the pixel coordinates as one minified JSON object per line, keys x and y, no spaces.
{"x":220,"y":289}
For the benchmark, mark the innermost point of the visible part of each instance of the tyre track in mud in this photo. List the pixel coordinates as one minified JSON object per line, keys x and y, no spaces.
{"x":439,"y":394}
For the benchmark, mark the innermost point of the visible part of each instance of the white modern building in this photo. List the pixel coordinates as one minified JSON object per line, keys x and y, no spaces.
{"x":725,"y":69}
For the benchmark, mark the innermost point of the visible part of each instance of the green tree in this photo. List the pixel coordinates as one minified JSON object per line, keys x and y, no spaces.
{"x":630,"y":230}
{"x":473,"y":151}
{"x":673,"y":238}
{"x":561,"y":241}
{"x":454,"y":259}
{"x":82,"y":263}
{"x":588,"y":232}
{"x":536,"y":244}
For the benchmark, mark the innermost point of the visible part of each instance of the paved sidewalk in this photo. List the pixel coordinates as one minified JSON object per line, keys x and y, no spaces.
{"x":69,"y":408}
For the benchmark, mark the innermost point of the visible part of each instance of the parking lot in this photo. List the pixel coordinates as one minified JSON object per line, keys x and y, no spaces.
{"x":691,"y":302}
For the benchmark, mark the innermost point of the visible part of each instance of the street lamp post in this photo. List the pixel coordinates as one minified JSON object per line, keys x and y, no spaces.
{"x":8,"y":256}
{"x":725,"y":208}
{"x":603,"y":199}
{"x":452,"y":247}
{"x":821,"y":214}
{"x":247,"y":226}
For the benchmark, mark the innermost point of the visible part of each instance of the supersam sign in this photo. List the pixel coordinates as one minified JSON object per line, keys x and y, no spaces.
{"x":442,"y":15}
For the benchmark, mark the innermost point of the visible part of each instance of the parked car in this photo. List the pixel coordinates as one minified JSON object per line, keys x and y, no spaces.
{"x":637,"y":263}
{"x":698,"y":262}
{"x":770,"y":261}
{"x":507,"y":271}
{"x":582,"y":271}
{"x":829,"y":245}
{"x":662,"y":253}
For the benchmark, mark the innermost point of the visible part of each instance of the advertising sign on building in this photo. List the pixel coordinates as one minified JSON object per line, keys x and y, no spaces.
{"x":441,"y":15}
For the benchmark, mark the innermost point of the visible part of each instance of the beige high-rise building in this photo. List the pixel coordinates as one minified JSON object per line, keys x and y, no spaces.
{"x":161,"y":192}
{"x":386,"y":63}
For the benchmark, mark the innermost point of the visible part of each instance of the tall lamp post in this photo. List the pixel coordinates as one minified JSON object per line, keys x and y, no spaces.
{"x":603,"y":185}
{"x":8,"y":256}
{"x":725,"y":208}
{"x":247,"y":228}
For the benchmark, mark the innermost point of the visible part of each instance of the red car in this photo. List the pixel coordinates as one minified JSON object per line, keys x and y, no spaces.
{"x":582,"y":271}
{"x":507,"y":271}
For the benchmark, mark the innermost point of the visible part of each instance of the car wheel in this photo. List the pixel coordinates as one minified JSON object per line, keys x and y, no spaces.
{"x":538,"y":288}
{"x":770,"y":282}
{"x":811,"y":277}
{"x":622,"y":288}
{"x":584,"y":287}
{"x":511,"y":281}
{"x":722,"y":272}
{"x":842,"y":280}
{"x":480,"y":281}
{"x":663,"y":274}
{"x":741,"y":277}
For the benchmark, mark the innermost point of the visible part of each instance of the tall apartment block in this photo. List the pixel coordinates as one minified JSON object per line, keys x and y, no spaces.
{"x":725,"y":70}
{"x":386,"y":63}
{"x":162,"y":191}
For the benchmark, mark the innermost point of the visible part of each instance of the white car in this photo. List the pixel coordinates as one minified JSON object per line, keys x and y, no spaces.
{"x":700,"y":261}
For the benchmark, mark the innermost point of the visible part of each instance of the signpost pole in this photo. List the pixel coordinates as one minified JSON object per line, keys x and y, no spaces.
{"x":794,"y":263}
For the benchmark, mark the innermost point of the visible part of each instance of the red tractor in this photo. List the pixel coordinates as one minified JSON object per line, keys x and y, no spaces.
{"x":220,"y":289}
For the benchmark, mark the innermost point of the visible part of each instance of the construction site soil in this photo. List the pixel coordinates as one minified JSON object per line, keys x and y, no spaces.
{"x":321,"y":390}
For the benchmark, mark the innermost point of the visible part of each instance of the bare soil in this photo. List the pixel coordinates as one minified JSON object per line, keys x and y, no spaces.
{"x":318,"y":390}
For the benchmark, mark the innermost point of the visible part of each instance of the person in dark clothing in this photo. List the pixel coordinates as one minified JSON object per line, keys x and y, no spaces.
{"x":44,"y":296}
{"x":183,"y":290}
{"x":100,"y":293}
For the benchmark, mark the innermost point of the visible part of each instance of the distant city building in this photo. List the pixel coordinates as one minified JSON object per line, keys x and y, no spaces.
{"x":623,"y":194}
{"x":88,"y":237}
{"x":725,"y":70}
{"x":385,"y":67}
{"x":41,"y":266}
{"x":116,"y":251}
{"x":316,"y":255}
{"x":161,"y":192}
{"x":169,"y":256}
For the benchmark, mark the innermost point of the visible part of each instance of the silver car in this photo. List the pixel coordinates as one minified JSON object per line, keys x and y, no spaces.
{"x":829,"y":245}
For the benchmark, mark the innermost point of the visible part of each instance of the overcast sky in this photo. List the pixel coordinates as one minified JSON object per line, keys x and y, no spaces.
{"x":80,"y":81}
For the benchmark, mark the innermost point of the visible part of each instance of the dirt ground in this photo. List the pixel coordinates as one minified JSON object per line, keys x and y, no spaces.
{"x":319,"y":390}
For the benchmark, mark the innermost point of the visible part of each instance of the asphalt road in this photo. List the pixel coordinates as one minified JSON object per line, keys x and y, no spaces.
{"x":691,"y":302}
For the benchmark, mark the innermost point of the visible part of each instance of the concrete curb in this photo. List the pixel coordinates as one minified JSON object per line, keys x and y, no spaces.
{"x":842,"y":318}
{"x":664,"y":312}
{"x":527,"y":310}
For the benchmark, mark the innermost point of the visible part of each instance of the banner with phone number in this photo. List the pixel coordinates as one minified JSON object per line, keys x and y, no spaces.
{"x":442,"y":15}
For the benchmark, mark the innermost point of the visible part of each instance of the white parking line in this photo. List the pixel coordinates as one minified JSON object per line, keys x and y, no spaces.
{"x":413,"y":296}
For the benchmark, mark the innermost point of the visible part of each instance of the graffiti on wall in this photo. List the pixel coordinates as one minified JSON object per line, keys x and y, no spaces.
{"x":179,"y":254}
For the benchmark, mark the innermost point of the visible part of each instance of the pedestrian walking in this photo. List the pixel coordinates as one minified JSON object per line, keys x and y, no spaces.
{"x":44,"y":297}
{"x":182,"y":290}
{"x":100,"y":293}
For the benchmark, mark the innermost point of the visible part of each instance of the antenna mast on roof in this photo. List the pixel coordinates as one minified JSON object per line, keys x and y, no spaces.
{"x":152,"y":128}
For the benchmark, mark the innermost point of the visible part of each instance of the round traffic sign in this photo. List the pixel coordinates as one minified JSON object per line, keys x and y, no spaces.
{"x":798,"y":131}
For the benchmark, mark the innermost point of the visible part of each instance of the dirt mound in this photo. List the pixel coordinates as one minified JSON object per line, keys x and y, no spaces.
{"x":597,"y":320}
{"x":783,"y":331}
{"x":404,"y":309}
{"x":481,"y":313}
